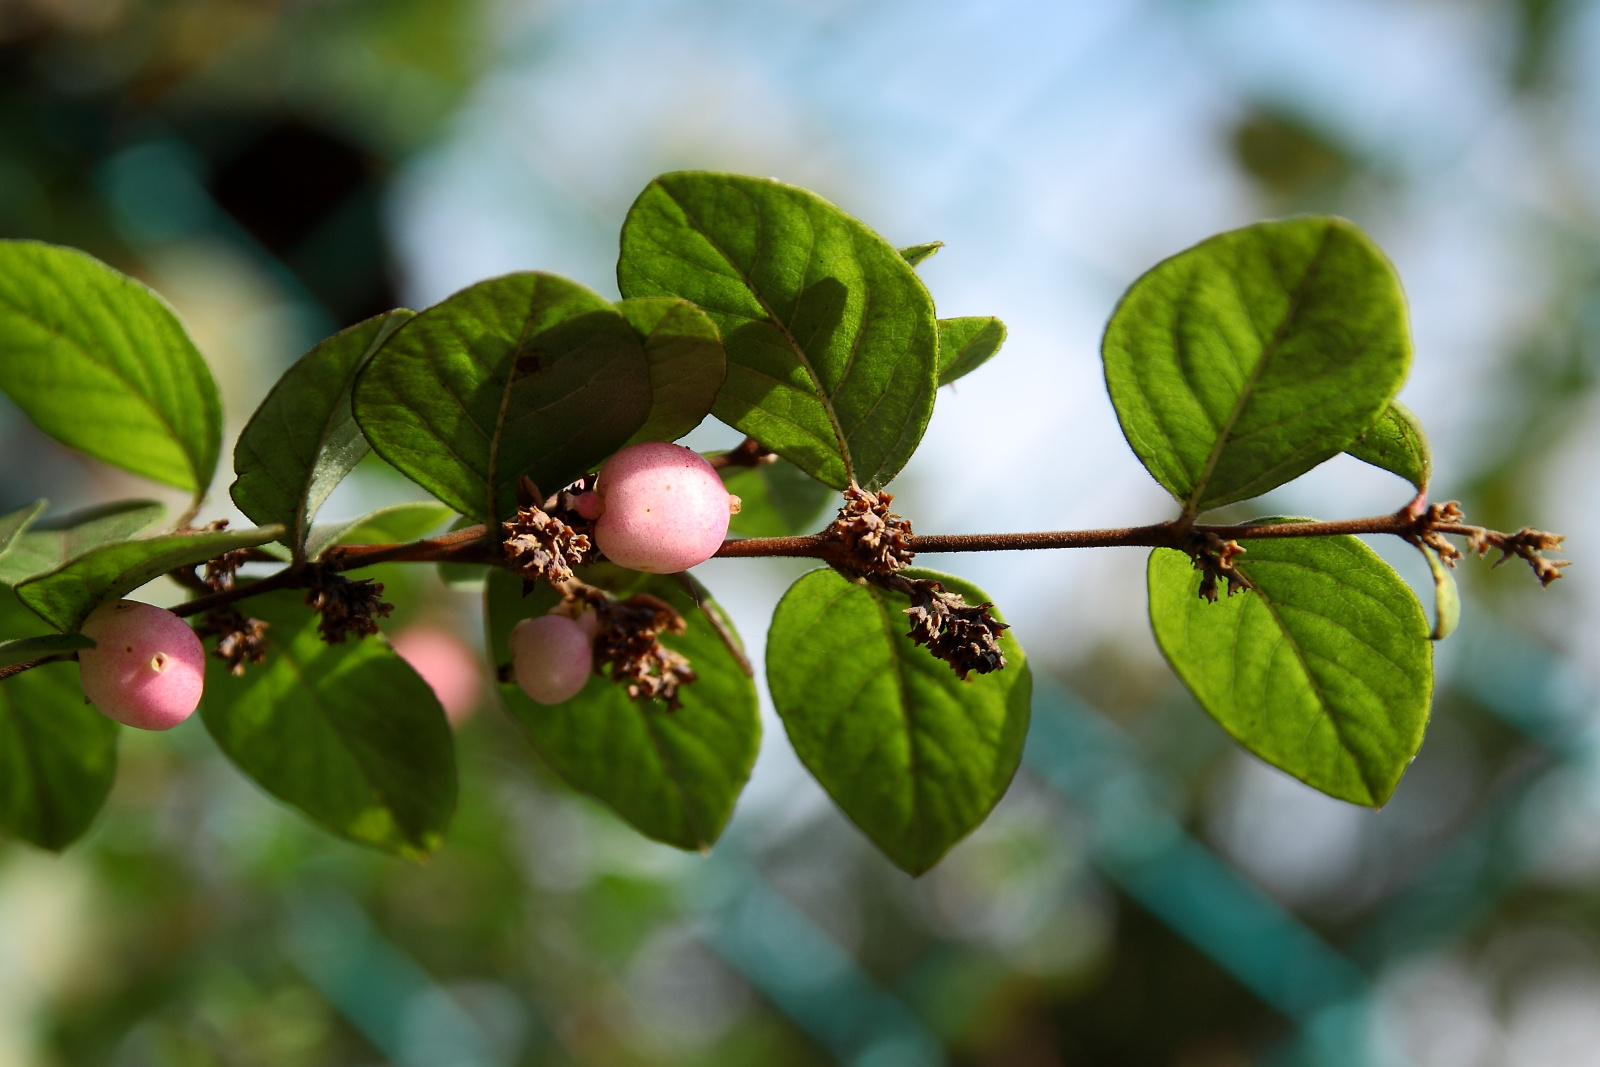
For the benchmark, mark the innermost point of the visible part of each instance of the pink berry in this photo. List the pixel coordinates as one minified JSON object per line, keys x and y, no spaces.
{"x":588,"y":505}
{"x":665,"y":508}
{"x":147,"y":669}
{"x":551,"y":658}
{"x":446,"y":664}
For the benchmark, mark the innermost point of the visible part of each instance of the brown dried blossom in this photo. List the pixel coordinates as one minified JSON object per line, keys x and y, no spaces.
{"x":347,"y":605}
{"x":629,"y":641}
{"x":871,"y":539}
{"x":966,"y":636}
{"x":1213,"y":558}
{"x":1526,"y":544}
{"x":240,"y":639}
{"x":546,"y":539}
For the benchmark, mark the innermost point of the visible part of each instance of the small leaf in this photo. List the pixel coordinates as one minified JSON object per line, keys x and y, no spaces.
{"x":49,"y":544}
{"x":528,"y":374}
{"x":967,"y":344}
{"x":1396,"y":443}
{"x":915,"y":756}
{"x":687,"y":364}
{"x":915,"y":254}
{"x":673,"y":775}
{"x":58,"y":755}
{"x":302,"y":440}
{"x":1256,"y":355}
{"x":1323,"y":669}
{"x":64,"y":597}
{"x":830,"y":336}
{"x":22,"y":649}
{"x":775,"y":499}
{"x":349,"y":734}
{"x":100,"y":363}
{"x":385,"y":526}
{"x":1446,"y":598}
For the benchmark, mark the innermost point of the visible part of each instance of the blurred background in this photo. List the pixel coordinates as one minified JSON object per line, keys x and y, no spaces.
{"x":1146,"y":894}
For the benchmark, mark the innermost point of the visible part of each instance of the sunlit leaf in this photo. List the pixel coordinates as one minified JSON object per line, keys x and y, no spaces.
{"x":47,"y":545}
{"x":387,"y":525}
{"x":687,"y":364}
{"x":1397,"y":444}
{"x":916,"y":254}
{"x":967,"y":344}
{"x":775,"y":499}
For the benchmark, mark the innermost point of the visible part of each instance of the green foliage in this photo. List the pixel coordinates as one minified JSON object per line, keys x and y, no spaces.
{"x":21,"y":649}
{"x":673,"y":775}
{"x":1256,"y":355}
{"x":831,"y":339}
{"x":347,"y":733}
{"x":528,"y":374}
{"x":101,"y":364}
{"x":302,"y":440}
{"x":1446,"y":597}
{"x":64,"y":597}
{"x":1323,"y":669}
{"x":967,"y":344}
{"x":1397,"y":444}
{"x":776,"y":499}
{"x":15,"y":524}
{"x":45,"y":546}
{"x":687,"y":364}
{"x":58,"y":755}
{"x":387,"y":525}
{"x":915,"y":756}
{"x":916,"y":254}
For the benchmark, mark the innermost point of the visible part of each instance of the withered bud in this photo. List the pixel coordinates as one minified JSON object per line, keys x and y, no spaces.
{"x":1526,"y":544}
{"x":241,"y":639}
{"x":539,"y":545}
{"x":872,"y":539}
{"x":347,"y":605}
{"x":1213,"y":558}
{"x":628,"y":640}
{"x":966,"y":636}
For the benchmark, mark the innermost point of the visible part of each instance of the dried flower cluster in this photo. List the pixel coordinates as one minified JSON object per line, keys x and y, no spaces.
{"x":872,"y":540}
{"x":629,"y":640}
{"x":1526,"y":544}
{"x":1213,"y":558}
{"x":347,"y":605}
{"x":240,"y":639}
{"x":966,"y":636}
{"x":546,"y":539}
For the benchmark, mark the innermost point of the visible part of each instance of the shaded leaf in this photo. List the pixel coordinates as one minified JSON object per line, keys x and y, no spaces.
{"x":967,"y":344}
{"x":1396,"y":443}
{"x":49,"y":544}
{"x":100,"y":363}
{"x":65,"y":596}
{"x":58,"y":755}
{"x":1252,"y":357}
{"x":830,"y":336}
{"x":1324,"y":669}
{"x":22,"y":649}
{"x":528,"y":374}
{"x":915,"y":254}
{"x":775,"y":499}
{"x":349,"y":734}
{"x":687,"y":364}
{"x":302,"y":440}
{"x":673,"y":775}
{"x":915,"y":756}
{"x":387,"y":525}
{"x":16,"y":523}
{"x":1446,"y":598}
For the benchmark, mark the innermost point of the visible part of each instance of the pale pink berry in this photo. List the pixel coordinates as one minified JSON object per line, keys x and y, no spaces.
{"x":665,"y":508}
{"x":551,"y":658}
{"x":147,"y":669}
{"x":446,"y":664}
{"x":588,"y":505}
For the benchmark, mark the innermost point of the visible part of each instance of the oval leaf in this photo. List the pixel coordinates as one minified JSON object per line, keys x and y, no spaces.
{"x":673,"y":775}
{"x":529,"y":374}
{"x":967,"y":344}
{"x":687,"y":364}
{"x":1397,"y":444}
{"x":385,"y":526}
{"x":1324,"y":669}
{"x":831,"y":338}
{"x":1256,"y":355}
{"x":100,"y":363}
{"x":51,"y":543}
{"x":915,"y":756}
{"x":64,"y":597}
{"x":775,"y":499}
{"x":302,"y":440}
{"x":58,"y":755}
{"x":349,"y":733}
{"x":1446,"y":598}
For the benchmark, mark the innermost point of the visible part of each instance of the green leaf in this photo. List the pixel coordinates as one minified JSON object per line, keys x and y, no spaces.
{"x":673,"y":775}
{"x":528,"y":374}
{"x":64,"y":597}
{"x":349,"y":734}
{"x":100,"y":363}
{"x":14,"y":524}
{"x":22,"y":649}
{"x":775,"y":499}
{"x":1256,"y":355}
{"x":1446,"y":598}
{"x":967,"y":344}
{"x":58,"y":755}
{"x":1397,"y":444}
{"x":915,"y":254}
{"x":1324,"y":669}
{"x":687,"y":364}
{"x":302,"y":440}
{"x":385,"y":526}
{"x":830,"y":336}
{"x":49,"y":544}
{"x":915,"y":756}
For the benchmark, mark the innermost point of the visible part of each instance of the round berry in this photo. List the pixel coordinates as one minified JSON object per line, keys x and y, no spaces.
{"x":551,"y":658}
{"x":147,"y":669}
{"x":588,"y":505}
{"x":665,"y":509}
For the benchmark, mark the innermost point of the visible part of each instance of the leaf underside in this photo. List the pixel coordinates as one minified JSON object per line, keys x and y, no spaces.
{"x":967,"y":344}
{"x":1397,"y":444}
